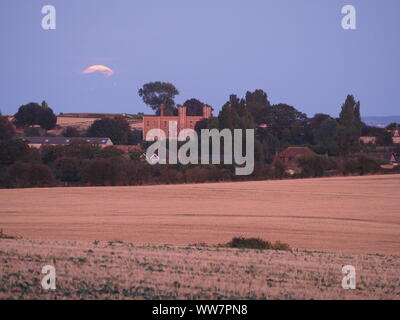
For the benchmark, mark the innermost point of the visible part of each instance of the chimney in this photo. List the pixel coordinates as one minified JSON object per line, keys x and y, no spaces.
{"x":161,"y":110}
{"x":181,"y":118}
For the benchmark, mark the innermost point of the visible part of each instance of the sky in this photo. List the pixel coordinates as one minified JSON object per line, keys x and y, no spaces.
{"x":295,"y":50}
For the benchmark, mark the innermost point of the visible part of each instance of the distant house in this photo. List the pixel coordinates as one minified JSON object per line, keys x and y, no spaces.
{"x":182,"y":120}
{"x":396,"y":135}
{"x":37,"y":142}
{"x":368,"y":140}
{"x":125,"y":148}
{"x":387,"y":157}
{"x":290,"y":155}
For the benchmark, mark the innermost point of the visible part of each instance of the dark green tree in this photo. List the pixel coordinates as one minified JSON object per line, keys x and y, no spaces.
{"x":117,"y":129}
{"x":12,"y":151}
{"x":46,"y":117}
{"x":33,"y":113}
{"x":349,"y":129}
{"x":290,"y":125}
{"x":194,"y":107}
{"x":7,"y":130}
{"x":259,"y":106}
{"x":154,"y":94}
{"x":27,"y":115}
{"x":71,"y":132}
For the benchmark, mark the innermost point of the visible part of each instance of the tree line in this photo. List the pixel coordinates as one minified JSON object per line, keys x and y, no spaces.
{"x":335,"y":140}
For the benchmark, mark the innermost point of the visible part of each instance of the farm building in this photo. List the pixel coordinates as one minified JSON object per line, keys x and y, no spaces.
{"x":37,"y":142}
{"x":290,"y":155}
{"x":182,"y":119}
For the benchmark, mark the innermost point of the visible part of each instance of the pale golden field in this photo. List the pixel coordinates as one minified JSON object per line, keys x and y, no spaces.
{"x":347,"y":215}
{"x":133,"y":242}
{"x":125,"y":271}
{"x":75,"y":122}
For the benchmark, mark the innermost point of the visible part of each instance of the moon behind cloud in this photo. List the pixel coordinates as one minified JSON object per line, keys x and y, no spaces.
{"x":99,"y":68}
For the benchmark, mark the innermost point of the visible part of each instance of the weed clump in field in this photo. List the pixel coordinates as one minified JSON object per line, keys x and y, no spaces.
{"x":6,"y":236}
{"x":256,"y":243}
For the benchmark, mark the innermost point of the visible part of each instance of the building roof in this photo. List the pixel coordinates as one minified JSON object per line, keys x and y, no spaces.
{"x":64,"y":140}
{"x":293,"y":152}
{"x":386,"y":156}
{"x":128,"y":148}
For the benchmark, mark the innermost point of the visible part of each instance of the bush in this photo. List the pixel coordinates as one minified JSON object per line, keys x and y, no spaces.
{"x":104,"y":172}
{"x":315,"y":166}
{"x":256,"y":243}
{"x":71,"y":132}
{"x":28,"y":175}
{"x":278,"y":169}
{"x":67,"y":169}
{"x":359,"y":165}
{"x":32,"y":132}
{"x":249,"y":243}
{"x":110,"y":152}
{"x":7,"y":130}
{"x":12,"y":151}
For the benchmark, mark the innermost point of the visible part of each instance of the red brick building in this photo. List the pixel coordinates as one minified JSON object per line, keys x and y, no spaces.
{"x":183,"y":121}
{"x":290,"y":155}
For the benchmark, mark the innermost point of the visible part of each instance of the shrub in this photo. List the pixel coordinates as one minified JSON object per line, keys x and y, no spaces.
{"x":7,"y":130}
{"x":315,"y":166}
{"x":12,"y":151}
{"x":110,"y":152}
{"x":71,"y":132}
{"x":104,"y":172}
{"x":278,"y":169}
{"x":28,"y":175}
{"x":249,"y":243}
{"x":67,"y":169}
{"x":256,"y":243}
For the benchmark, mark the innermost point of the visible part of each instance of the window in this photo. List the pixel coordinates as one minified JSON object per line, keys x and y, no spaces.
{"x":148,"y":123}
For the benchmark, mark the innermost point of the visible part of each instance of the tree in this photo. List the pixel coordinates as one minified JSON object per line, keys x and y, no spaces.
{"x":110,"y":152}
{"x":290,"y":125}
{"x":235,"y":115}
{"x":46,"y":117}
{"x":385,"y":139}
{"x":12,"y":151}
{"x":393,"y":126}
{"x":67,"y":169}
{"x":194,"y":107}
{"x":155,"y":94}
{"x":258,"y":105}
{"x":117,"y":129}
{"x":32,"y":114}
{"x":71,"y":132}
{"x":27,"y":115}
{"x":349,"y":130}
{"x":7,"y":130}
{"x":325,"y":136}
{"x":28,"y":175}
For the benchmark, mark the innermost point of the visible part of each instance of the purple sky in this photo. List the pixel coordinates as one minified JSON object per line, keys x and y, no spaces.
{"x":295,"y":50}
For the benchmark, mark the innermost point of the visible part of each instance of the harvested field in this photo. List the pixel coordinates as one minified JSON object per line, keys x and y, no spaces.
{"x":75,"y":122}
{"x":108,"y":270}
{"x":344,"y":215}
